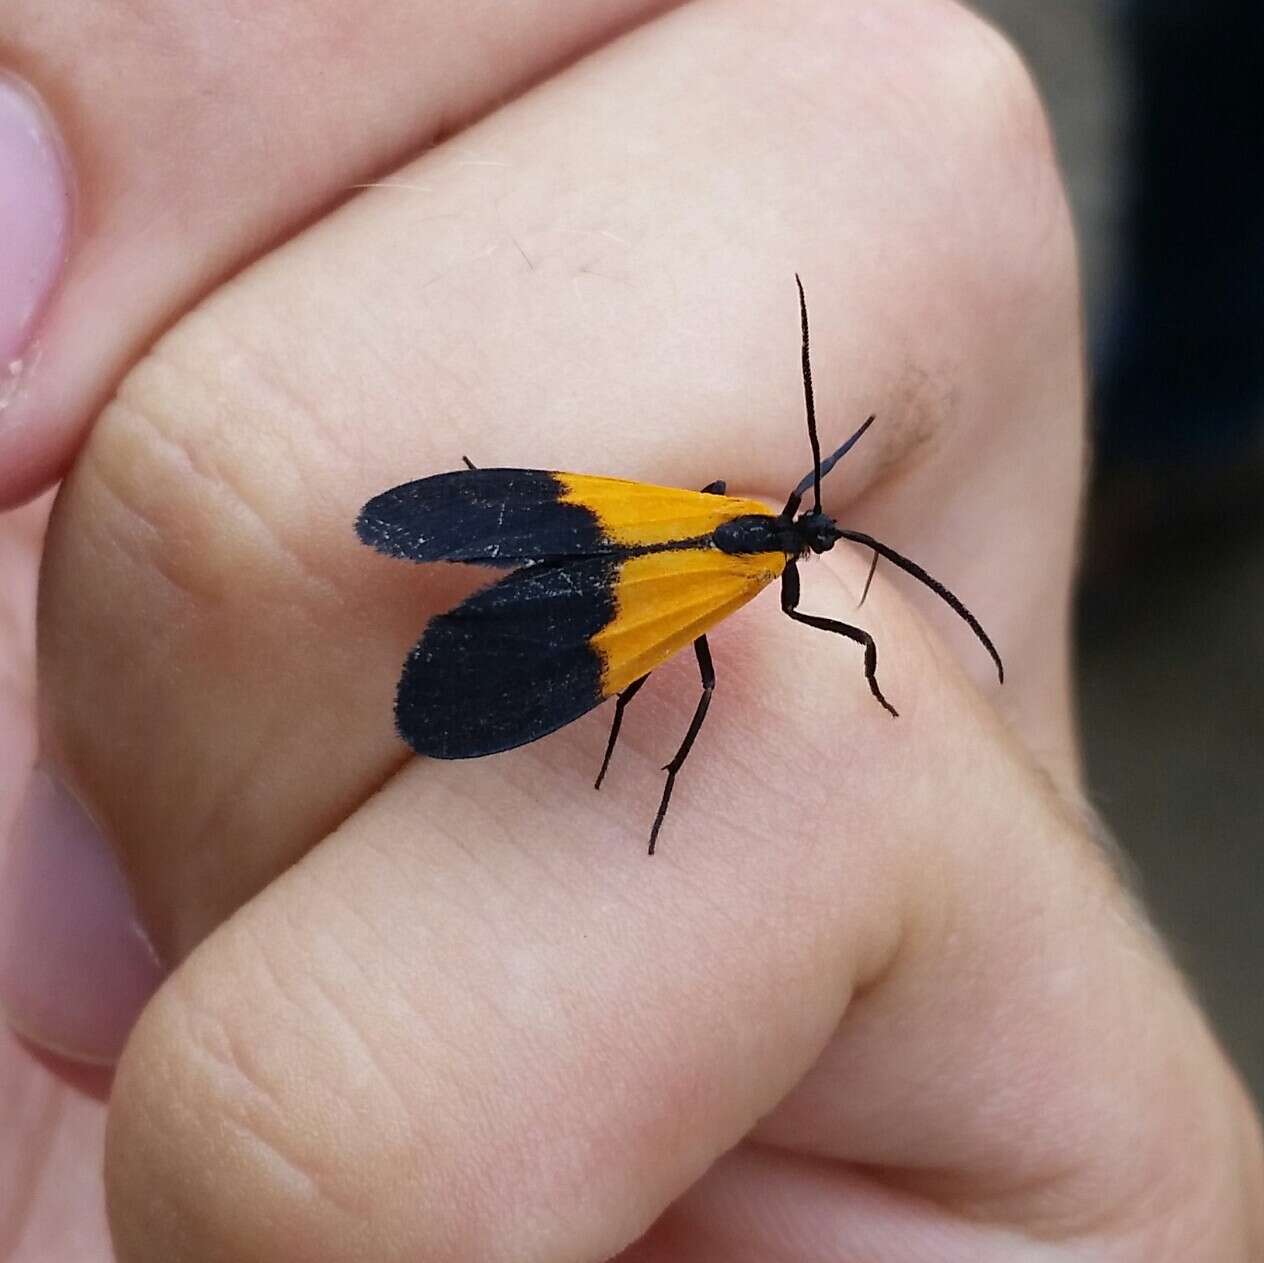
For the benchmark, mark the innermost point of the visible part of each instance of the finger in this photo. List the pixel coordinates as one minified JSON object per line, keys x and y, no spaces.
{"x":51,"y":1204}
{"x":214,"y":506}
{"x":21,"y":535}
{"x":74,"y":969}
{"x":478,"y":1022}
{"x":187,"y":139}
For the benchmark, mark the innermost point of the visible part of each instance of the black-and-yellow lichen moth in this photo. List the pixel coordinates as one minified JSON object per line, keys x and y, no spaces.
{"x":607,"y":579}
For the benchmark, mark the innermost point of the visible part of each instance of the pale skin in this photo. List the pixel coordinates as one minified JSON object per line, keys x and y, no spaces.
{"x":881,"y":994}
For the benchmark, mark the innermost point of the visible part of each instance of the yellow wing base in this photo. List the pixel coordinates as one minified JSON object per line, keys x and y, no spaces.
{"x":664,"y":601}
{"x":636,"y":514}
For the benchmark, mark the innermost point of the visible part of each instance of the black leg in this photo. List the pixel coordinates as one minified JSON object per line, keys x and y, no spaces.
{"x":469,"y":464}
{"x":717,"y":488}
{"x":864,"y":596}
{"x":789,"y":603}
{"x":624,"y":698}
{"x":708,"y":687}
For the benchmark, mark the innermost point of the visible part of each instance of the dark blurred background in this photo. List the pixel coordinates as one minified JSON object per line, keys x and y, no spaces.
{"x":1159,"y":114}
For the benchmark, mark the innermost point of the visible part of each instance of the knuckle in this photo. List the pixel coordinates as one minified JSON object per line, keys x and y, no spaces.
{"x":215,"y":1131}
{"x":953,"y":186}
{"x":1007,"y":188}
{"x":942,"y":109}
{"x":203,"y":587}
{"x":173,"y":451}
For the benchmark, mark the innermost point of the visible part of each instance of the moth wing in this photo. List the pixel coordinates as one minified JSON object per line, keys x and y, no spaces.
{"x":637,"y":514}
{"x":547,"y":643}
{"x":666,"y":600}
{"x":510,"y":663}
{"x":505,"y":517}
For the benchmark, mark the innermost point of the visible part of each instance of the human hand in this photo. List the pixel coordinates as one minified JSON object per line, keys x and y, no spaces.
{"x":878,"y":975}
{"x":194,"y":138}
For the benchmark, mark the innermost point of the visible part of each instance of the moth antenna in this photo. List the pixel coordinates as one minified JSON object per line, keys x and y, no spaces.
{"x":810,"y":401}
{"x":949,"y":598}
{"x":831,"y":460}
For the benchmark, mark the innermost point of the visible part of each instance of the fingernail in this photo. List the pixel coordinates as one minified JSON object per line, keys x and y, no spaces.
{"x":34,"y":224}
{"x":75,"y":967}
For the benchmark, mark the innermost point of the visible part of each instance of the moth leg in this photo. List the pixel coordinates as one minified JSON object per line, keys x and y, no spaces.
{"x":624,"y":698}
{"x":717,"y":488}
{"x":789,"y":604}
{"x":708,"y":687}
{"x":873,"y":566}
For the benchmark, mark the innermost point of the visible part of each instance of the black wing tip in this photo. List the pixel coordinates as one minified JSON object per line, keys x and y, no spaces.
{"x":367,"y":527}
{"x":385,"y":525}
{"x":372,"y":529}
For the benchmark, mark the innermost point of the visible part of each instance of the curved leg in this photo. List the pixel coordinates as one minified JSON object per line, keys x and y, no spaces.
{"x":708,"y":687}
{"x":624,"y":698}
{"x":873,"y":565}
{"x":789,"y":603}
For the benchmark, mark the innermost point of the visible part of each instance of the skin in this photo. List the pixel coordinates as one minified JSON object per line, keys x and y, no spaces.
{"x":881,"y":994}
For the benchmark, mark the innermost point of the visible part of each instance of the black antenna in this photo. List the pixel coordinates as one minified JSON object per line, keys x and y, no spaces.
{"x":949,"y":598}
{"x":807,"y":395}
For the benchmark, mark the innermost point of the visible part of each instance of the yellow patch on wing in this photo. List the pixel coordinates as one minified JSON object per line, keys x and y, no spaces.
{"x":636,"y":513}
{"x":663,"y":601}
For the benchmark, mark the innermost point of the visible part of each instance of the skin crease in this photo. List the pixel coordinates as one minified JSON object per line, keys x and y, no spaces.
{"x":879,"y":996}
